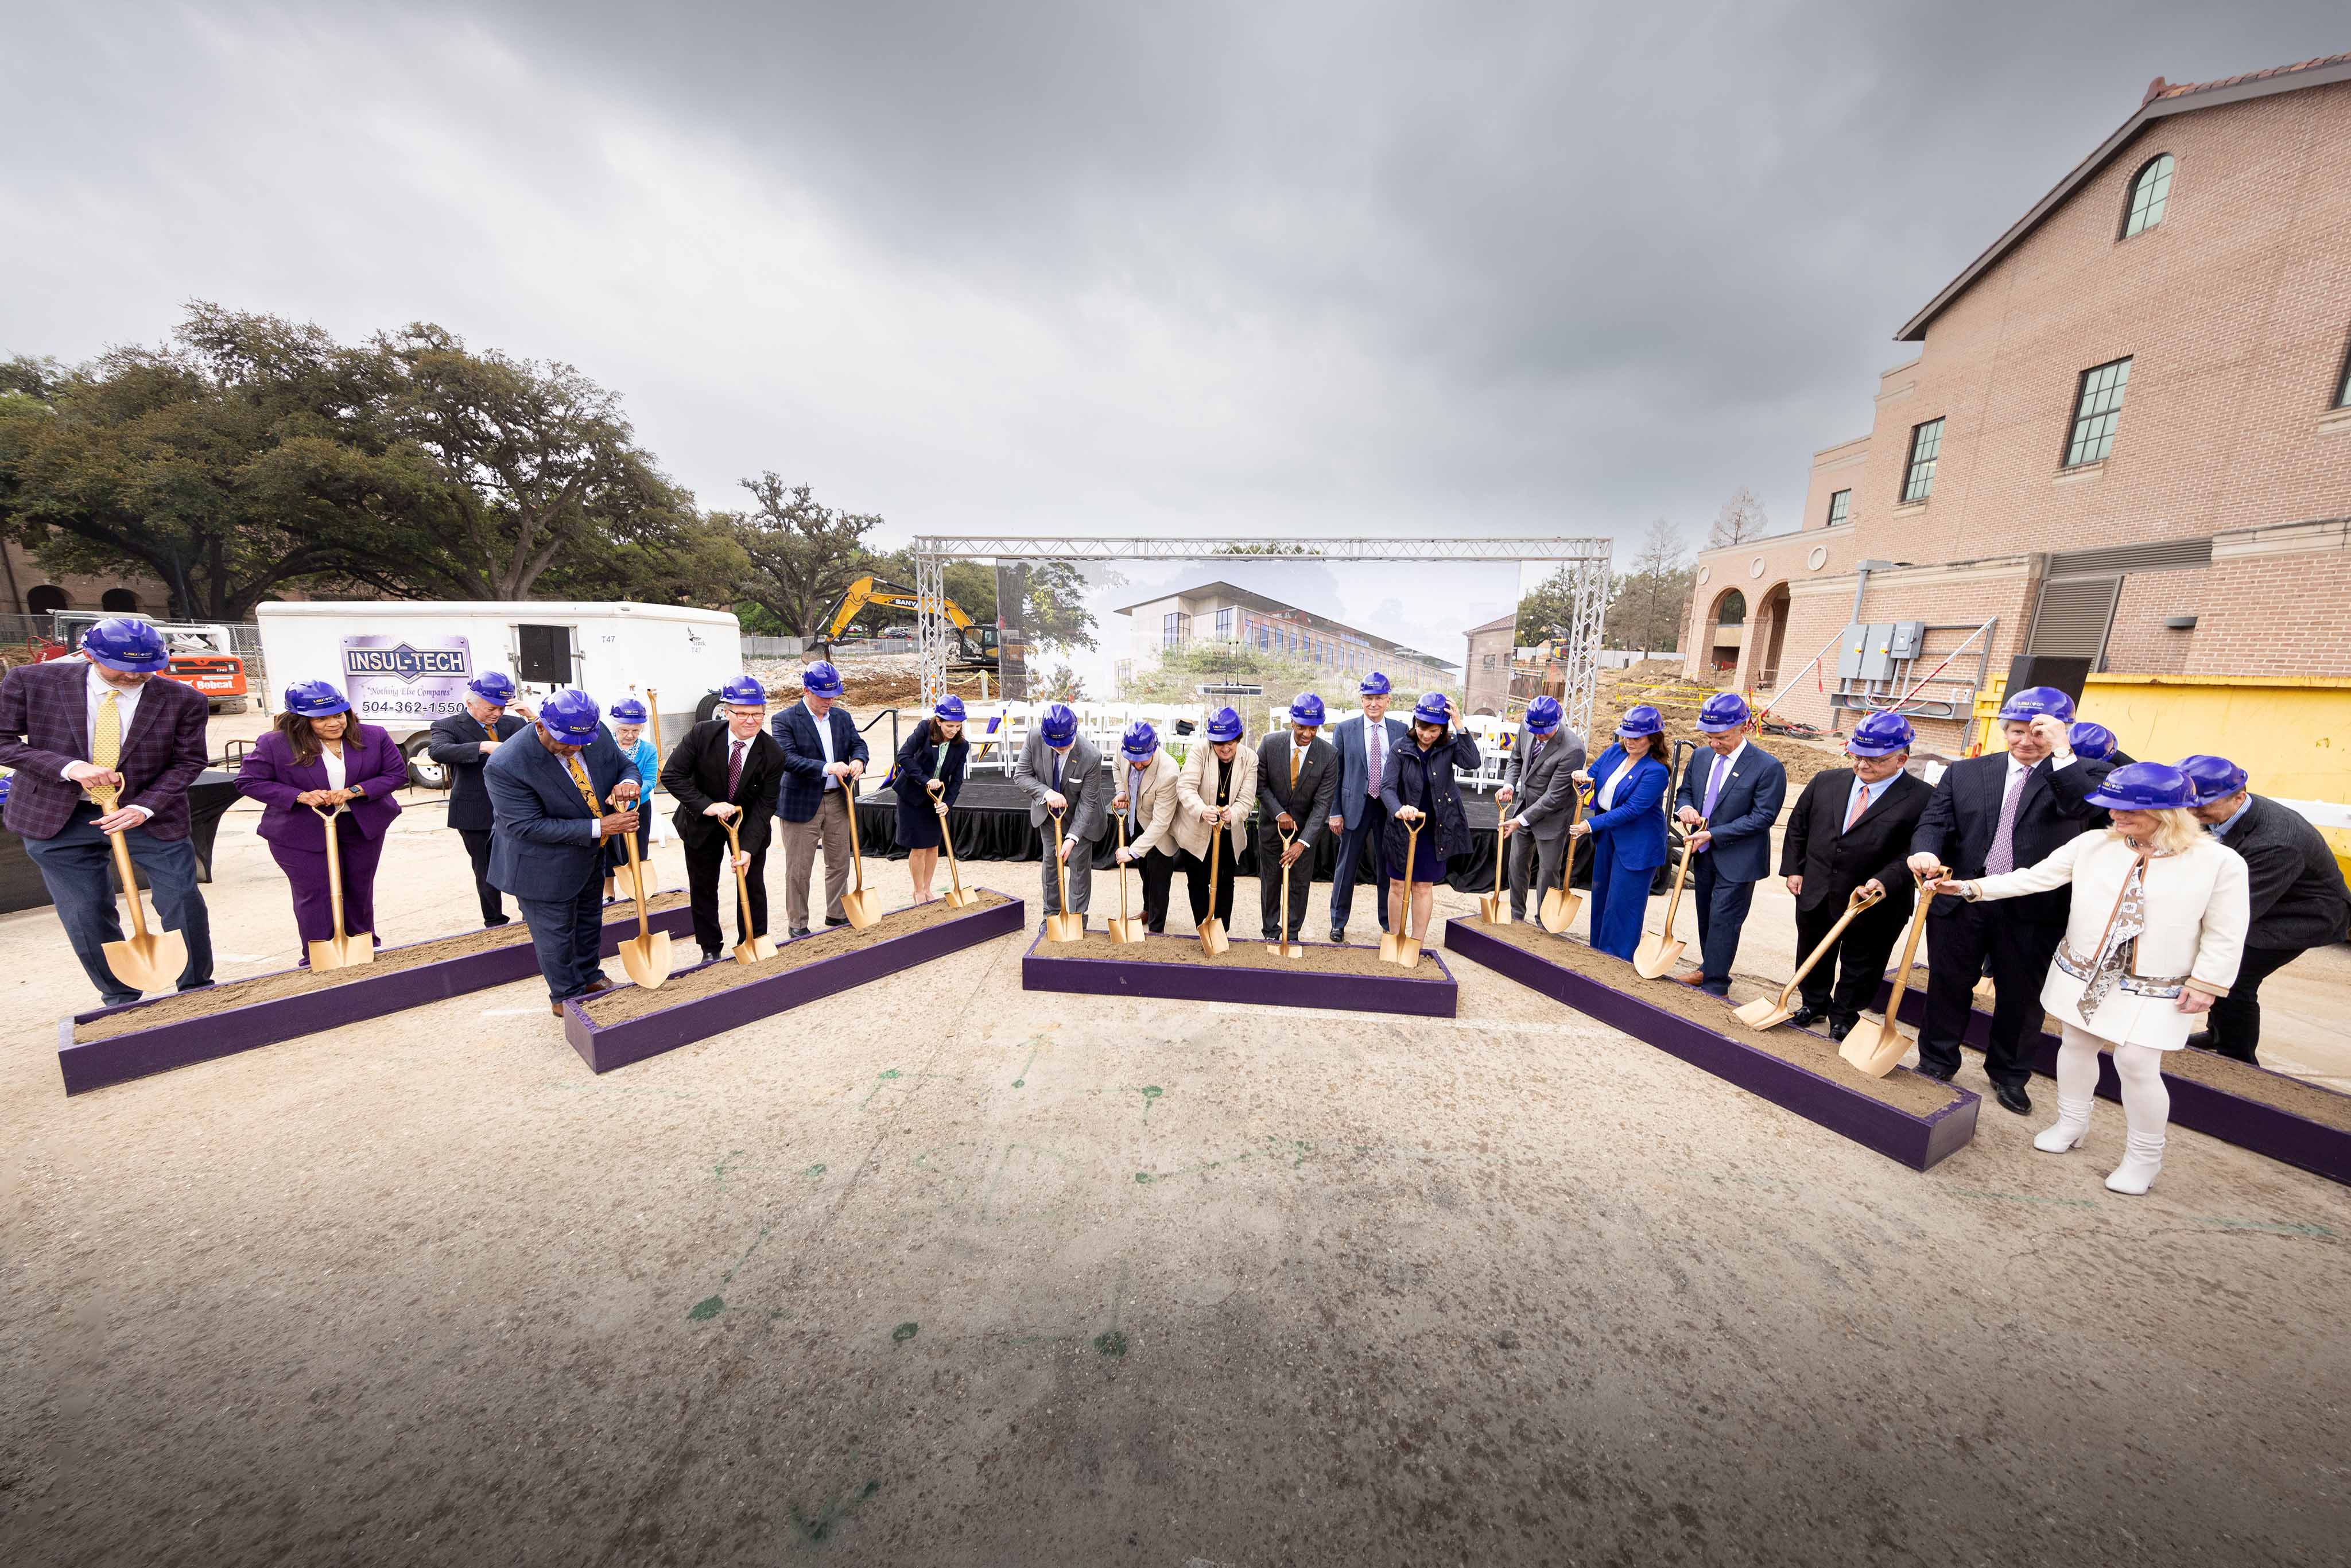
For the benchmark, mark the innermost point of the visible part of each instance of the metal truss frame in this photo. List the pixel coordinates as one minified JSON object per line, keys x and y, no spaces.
{"x":1588,"y":561}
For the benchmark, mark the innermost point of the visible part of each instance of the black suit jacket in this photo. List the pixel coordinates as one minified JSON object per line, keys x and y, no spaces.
{"x":696,"y":775}
{"x":1310,"y":804}
{"x":456,"y":744}
{"x":1833,"y":861}
{"x":1963,"y":813}
{"x":2293,"y":885}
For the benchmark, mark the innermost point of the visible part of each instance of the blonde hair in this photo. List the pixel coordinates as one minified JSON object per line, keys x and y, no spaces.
{"x":2176,"y":830}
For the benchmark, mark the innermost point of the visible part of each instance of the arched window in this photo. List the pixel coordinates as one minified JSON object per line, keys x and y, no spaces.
{"x":47,"y":597}
{"x":1733,"y":610}
{"x":2149,"y":190}
{"x":118,"y":599}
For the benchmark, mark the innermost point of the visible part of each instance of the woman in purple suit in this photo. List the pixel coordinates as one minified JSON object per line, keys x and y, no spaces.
{"x":320,"y":755}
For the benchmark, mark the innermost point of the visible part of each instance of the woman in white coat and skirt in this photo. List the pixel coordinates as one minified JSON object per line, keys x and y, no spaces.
{"x":2158,"y":926}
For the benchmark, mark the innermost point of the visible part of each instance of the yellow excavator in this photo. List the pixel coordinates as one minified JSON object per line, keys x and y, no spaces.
{"x":975,"y":645}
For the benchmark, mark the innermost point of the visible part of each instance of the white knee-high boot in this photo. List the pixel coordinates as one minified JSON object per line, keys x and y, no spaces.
{"x":2147,"y":1108}
{"x":2077,"y":1090}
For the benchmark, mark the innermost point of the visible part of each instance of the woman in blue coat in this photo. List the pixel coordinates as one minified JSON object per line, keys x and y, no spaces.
{"x":935,"y":750}
{"x":627,"y":718}
{"x":1627,"y":824}
{"x":1416,"y":786}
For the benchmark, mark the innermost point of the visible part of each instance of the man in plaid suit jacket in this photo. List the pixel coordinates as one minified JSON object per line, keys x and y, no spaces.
{"x":46,"y":716}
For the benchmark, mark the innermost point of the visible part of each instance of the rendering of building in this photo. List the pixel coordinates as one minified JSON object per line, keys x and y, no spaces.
{"x":1221,"y":612}
{"x":2124,"y":437}
{"x":1492,"y":647}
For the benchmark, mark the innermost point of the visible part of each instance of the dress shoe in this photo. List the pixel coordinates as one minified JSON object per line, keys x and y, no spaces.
{"x":599,"y":983}
{"x":1803,"y":1016}
{"x":1694,"y":978}
{"x":836,"y":920}
{"x":797,"y":933}
{"x":1840,"y":1028}
{"x":555,"y":1007}
{"x":2012,"y":1097}
{"x":710,"y":955}
{"x":1337,"y":939}
{"x":1937,"y":1073}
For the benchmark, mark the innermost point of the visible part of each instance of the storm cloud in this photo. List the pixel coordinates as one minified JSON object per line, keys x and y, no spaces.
{"x":1421,"y":270}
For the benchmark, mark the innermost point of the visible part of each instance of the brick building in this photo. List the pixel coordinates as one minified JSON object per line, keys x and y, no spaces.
{"x":1491,"y":648}
{"x":1221,"y":612}
{"x":2125,"y":436}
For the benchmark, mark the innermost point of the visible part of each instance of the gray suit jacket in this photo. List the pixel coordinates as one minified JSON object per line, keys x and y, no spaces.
{"x":1543,"y":789}
{"x":1316,"y":795}
{"x":1087,"y":788}
{"x":2295,"y":888}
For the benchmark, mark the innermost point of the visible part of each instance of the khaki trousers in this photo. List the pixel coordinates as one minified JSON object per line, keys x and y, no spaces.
{"x":829,"y":828}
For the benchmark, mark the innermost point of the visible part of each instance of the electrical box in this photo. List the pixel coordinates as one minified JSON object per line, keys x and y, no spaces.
{"x":1849,"y":649}
{"x":1877,"y":653}
{"x":1909,"y":639}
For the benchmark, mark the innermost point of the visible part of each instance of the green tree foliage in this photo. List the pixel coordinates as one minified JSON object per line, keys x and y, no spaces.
{"x":1649,"y":604}
{"x":1548,"y":610}
{"x":802,"y":553}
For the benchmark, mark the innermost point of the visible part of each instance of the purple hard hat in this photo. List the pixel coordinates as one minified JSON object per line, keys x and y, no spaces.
{"x":1139,"y":741}
{"x":2095,"y":741}
{"x":1432,"y":708}
{"x":1374,"y":684}
{"x":571,"y":716}
{"x":1723,"y":711}
{"x":316,"y":699}
{"x":628,"y":710}
{"x":1224,"y":725}
{"x":2145,"y":787}
{"x":1881,"y":735}
{"x":1640,"y":722}
{"x":1060,"y":725}
{"x":1306,"y":709}
{"x":743,"y":691}
{"x":949,"y":711}
{"x":820,"y":680}
{"x":133,"y":647}
{"x":2215,"y":777}
{"x":1542,"y":715}
{"x":493,"y":686}
{"x":2032,"y":702}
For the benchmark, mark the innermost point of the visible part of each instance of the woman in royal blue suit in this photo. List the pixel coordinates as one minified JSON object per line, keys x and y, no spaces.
{"x":1627,"y":824}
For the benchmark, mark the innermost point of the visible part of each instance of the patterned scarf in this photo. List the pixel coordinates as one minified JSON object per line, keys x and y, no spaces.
{"x":2118,"y":947}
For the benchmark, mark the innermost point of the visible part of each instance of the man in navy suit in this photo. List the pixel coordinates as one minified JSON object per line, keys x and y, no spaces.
{"x":1736,"y":789}
{"x":824,"y":759}
{"x":1988,"y":815}
{"x":1365,"y":743}
{"x":548,"y":785}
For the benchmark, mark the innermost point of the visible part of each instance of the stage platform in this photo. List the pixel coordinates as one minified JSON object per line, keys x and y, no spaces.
{"x":990,"y":821}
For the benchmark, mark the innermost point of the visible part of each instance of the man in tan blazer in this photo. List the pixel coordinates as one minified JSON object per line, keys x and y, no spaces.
{"x":1145,"y":802}
{"x":1218,"y":785}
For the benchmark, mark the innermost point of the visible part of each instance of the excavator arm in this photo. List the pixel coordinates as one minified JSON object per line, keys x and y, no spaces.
{"x":870,"y":592}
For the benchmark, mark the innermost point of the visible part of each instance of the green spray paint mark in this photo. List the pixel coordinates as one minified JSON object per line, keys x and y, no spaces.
{"x":904,"y":1332}
{"x":885,"y":1078}
{"x":1111,"y":1343}
{"x":1150,"y":1092}
{"x":1035,"y":1046}
{"x":718,"y":1171}
{"x":703,"y":1310}
{"x":814,"y":1171}
{"x":820,"y":1526}
{"x":729,"y":1275}
{"x":1143,"y":1178}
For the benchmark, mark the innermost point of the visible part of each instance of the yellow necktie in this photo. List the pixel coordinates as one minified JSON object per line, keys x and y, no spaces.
{"x":106,"y":746}
{"x":586,"y":791}
{"x":1293,"y":765}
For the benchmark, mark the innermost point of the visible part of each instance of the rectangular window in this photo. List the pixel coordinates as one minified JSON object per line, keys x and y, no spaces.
{"x":2097,"y":409}
{"x":1840,"y":507}
{"x":1918,"y":479}
{"x":1174,"y":629}
{"x":2343,"y":387}
{"x":1224,"y":622}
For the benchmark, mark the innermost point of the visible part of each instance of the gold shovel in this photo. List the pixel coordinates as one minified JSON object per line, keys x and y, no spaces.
{"x":1124,"y":929}
{"x":759,"y":945}
{"x":1765,"y":1013}
{"x":857,"y":905}
{"x":1065,"y":926}
{"x":1396,"y":948}
{"x":645,"y":955}
{"x":1493,"y":909}
{"x":1877,"y":1046}
{"x":1213,"y":939}
{"x":956,"y":897}
{"x":1656,"y":953}
{"x":145,"y":960}
{"x":1285,"y":948}
{"x":343,"y":950}
{"x":1559,"y":903}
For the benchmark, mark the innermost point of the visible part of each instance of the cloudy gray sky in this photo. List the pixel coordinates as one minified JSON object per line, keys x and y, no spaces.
{"x":1085,"y":267}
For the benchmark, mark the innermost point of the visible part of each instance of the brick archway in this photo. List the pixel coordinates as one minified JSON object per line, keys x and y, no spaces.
{"x":1767,"y":632}
{"x":1723,"y":638}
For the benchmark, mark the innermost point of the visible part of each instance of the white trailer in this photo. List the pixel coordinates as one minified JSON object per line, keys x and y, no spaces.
{"x":404,"y":663}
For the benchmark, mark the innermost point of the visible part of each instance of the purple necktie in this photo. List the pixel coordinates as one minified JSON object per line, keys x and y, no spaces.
{"x":734,"y":770}
{"x":1375,"y":731}
{"x":2002,"y":858}
{"x":1714,"y":777}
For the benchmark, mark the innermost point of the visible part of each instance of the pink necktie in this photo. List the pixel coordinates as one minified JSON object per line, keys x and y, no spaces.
{"x":1860,"y":804}
{"x":2002,"y":858}
{"x":734,"y":770}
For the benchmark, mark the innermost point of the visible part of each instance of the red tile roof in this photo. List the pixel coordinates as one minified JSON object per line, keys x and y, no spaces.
{"x":2158,"y":87}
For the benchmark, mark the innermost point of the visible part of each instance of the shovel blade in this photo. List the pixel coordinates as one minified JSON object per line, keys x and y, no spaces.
{"x":1213,"y":939}
{"x":1763,"y":1012}
{"x":343,"y":952}
{"x":1654,"y":957}
{"x":646,"y":959}
{"x":1128,"y":930}
{"x":758,"y":949}
{"x":1286,"y":949}
{"x":628,"y":879}
{"x":1875,"y":1047}
{"x":1407,"y":952}
{"x":1494,"y":909}
{"x":963,"y":898}
{"x":858,"y":909}
{"x":1061,"y":927}
{"x":1559,"y":911}
{"x":149,"y":963}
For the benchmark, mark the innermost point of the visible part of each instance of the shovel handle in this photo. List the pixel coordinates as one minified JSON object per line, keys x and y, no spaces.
{"x":1681,"y":873}
{"x":856,"y":855}
{"x":742,"y":888}
{"x":636,"y":872}
{"x":1862,"y":899}
{"x":130,"y":885}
